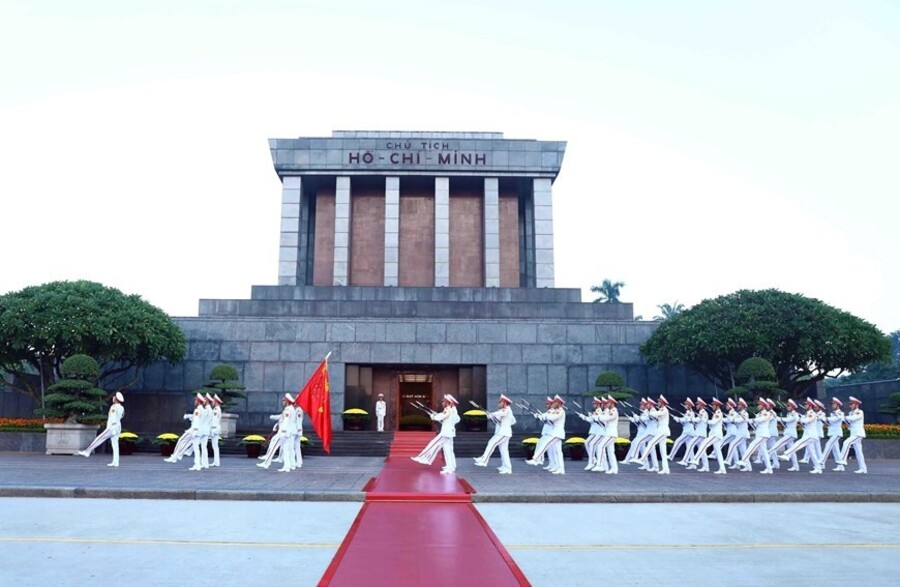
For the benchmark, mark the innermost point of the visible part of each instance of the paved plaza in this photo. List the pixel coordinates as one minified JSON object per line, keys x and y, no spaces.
{"x":343,"y":479}
{"x":151,"y":523}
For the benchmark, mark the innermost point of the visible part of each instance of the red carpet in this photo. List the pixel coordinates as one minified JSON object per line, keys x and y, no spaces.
{"x":419,"y":527}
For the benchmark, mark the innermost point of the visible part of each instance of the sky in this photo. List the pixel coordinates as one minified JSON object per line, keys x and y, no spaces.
{"x":712,"y":146}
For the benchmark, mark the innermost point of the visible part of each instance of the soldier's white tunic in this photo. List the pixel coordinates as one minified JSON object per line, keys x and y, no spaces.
{"x":380,"y":412}
{"x":503,"y":420}
{"x":835,"y":421}
{"x":856,"y":420}
{"x":448,"y":418}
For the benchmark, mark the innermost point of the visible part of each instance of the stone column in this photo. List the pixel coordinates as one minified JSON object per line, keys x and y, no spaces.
{"x":441,"y":231}
{"x":543,"y":233}
{"x":342,"y":231}
{"x":491,"y":232}
{"x":288,"y":266}
{"x":392,"y":231}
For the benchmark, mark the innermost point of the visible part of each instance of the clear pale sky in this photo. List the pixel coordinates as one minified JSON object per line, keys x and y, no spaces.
{"x":712,"y":146}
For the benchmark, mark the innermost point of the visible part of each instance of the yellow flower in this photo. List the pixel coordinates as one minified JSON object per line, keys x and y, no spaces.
{"x":531,"y":440}
{"x":356,"y":411}
{"x":475,"y":413}
{"x":167,"y":436}
{"x":254,"y":438}
{"x":621,"y":440}
{"x":575,"y":440}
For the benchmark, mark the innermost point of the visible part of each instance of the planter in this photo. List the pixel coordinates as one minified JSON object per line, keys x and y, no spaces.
{"x":126,"y":448}
{"x":576,"y":452}
{"x":166,"y":449}
{"x":68,"y":439}
{"x":621,"y":450}
{"x":254,"y":449}
{"x":228,"y":425}
{"x":354,"y":424}
{"x":476,"y":424}
{"x":529,"y":450}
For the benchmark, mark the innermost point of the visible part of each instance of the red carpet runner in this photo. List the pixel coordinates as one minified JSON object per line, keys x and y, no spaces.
{"x":419,"y":527}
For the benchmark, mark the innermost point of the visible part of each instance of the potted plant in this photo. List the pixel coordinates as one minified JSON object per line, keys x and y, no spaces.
{"x":127,"y":440}
{"x":166,"y":442}
{"x":621,"y":447}
{"x":530,"y":444}
{"x":224,"y":381}
{"x":475,"y":420}
{"x":415,"y":422}
{"x":575,"y":445}
{"x":355,"y":418}
{"x":77,"y":399}
{"x":253,"y":445}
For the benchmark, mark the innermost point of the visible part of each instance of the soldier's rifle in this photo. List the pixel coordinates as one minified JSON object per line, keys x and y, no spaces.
{"x":489,"y":415}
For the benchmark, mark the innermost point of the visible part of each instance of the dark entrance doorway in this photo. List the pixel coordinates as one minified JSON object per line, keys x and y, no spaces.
{"x":403,"y":384}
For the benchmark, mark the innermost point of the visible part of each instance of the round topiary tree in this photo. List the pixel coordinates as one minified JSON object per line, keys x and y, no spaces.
{"x":613,"y":384}
{"x":76,"y":396}
{"x":757,"y":378}
{"x":224,"y":380}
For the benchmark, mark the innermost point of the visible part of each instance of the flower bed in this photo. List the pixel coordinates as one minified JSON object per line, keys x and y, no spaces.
{"x":26,"y":424}
{"x":882,"y":431}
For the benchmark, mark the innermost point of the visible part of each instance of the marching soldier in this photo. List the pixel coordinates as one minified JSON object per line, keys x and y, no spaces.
{"x":285,"y":425}
{"x":111,"y":432}
{"x":761,"y":420}
{"x":606,"y":448}
{"x":856,"y":419}
{"x":185,"y":441}
{"x":701,"y":419}
{"x":503,"y":420}
{"x":788,"y":434}
{"x":661,"y":415}
{"x":215,"y":428}
{"x":835,"y":421}
{"x":738,"y":448}
{"x":590,"y":443}
{"x":556,"y":416}
{"x":687,"y":430}
{"x":448,"y":417}
{"x":810,"y":437}
{"x":713,"y":440}
{"x":773,"y":435}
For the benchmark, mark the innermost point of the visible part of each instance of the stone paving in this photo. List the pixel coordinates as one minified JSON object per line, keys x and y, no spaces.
{"x":344,"y":478}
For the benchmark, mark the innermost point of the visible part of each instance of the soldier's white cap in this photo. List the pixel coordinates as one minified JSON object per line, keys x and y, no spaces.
{"x":715,"y":401}
{"x":611,"y":399}
{"x":819,"y":403}
{"x":599,"y":400}
{"x":217,"y":399}
{"x":651,"y":401}
{"x":792,"y":404}
{"x":700,"y":401}
{"x":853,"y":400}
{"x":688,"y":402}
{"x":549,"y":399}
{"x":209,"y":398}
{"x":662,"y":400}
{"x":835,"y":400}
{"x":503,"y":398}
{"x":288,"y":398}
{"x":730,"y":403}
{"x":451,"y":399}
{"x":200,"y":397}
{"x":380,"y":395}
{"x":742,"y":402}
{"x":556,"y":398}
{"x":119,"y":397}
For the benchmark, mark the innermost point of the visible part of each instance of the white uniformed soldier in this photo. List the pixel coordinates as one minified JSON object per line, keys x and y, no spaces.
{"x":760,"y":442}
{"x":639,"y":420}
{"x":606,"y":448}
{"x":738,"y":448}
{"x":546,"y":429}
{"x":856,"y":419}
{"x":713,"y":440}
{"x":835,"y":421}
{"x":448,"y":417}
{"x":773,"y":435}
{"x":788,"y":434}
{"x":556,"y":415}
{"x":661,"y":415}
{"x":687,"y":430}
{"x":503,"y":420}
{"x":701,"y":419}
{"x":215,"y":429}
{"x":380,"y":411}
{"x":199,"y":431}
{"x":111,"y":432}
{"x":596,"y":429}
{"x":810,"y":436}
{"x":283,"y":441}
{"x":184,"y":445}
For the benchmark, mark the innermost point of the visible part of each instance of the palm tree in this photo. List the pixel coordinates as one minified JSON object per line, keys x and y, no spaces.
{"x":609,"y":291}
{"x":669,"y":311}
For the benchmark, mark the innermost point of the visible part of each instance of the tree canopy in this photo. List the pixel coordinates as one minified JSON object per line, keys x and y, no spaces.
{"x":609,"y":291}
{"x":879,"y":371}
{"x":40,"y":326}
{"x":805,"y":339}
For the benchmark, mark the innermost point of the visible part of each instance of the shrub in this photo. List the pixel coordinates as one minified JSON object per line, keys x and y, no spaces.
{"x":75,"y":397}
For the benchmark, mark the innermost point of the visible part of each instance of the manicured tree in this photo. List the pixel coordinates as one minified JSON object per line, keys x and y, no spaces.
{"x":224,"y":380}
{"x":76,"y":396}
{"x":42,"y":325}
{"x":613,"y":384}
{"x":757,"y":378}
{"x":804,"y":339}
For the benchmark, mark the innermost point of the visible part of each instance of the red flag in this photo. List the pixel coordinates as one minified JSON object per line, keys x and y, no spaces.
{"x":315,"y":400}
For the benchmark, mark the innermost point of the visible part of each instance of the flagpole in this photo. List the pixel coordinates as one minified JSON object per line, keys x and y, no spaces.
{"x":328,"y":355}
